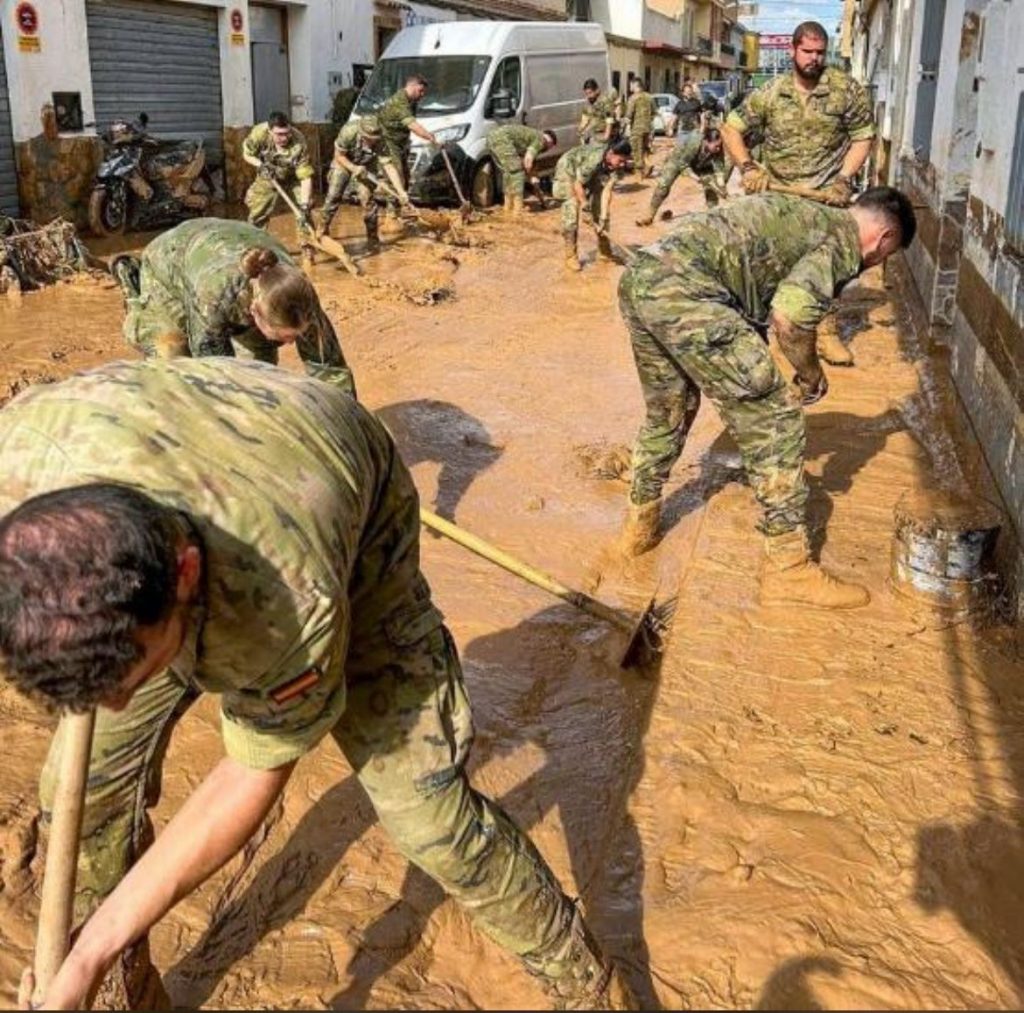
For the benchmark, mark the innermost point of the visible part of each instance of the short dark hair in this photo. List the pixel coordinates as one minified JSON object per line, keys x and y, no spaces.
{"x":712,"y":134}
{"x":812,"y":28}
{"x":623,"y":148}
{"x":417,"y":79}
{"x":278,"y":119}
{"x":896,"y":207}
{"x":81,"y":570}
{"x":551,"y":136}
{"x":590,"y":85}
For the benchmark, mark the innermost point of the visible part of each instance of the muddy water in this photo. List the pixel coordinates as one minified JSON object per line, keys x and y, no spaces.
{"x":794,"y":811}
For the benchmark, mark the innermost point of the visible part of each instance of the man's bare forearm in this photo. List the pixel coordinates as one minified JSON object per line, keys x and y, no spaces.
{"x":855,"y":158}
{"x":213,"y":824}
{"x":735,"y":146}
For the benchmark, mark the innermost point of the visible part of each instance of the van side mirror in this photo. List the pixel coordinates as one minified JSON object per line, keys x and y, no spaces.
{"x":503,"y":104}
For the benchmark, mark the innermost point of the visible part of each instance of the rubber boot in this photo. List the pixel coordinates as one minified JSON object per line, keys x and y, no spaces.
{"x":517,"y":206}
{"x":572,"y":261}
{"x":321,"y":225}
{"x":126,"y":270}
{"x":604,"y":248}
{"x":647,"y":218}
{"x":830,"y":348}
{"x":640,"y":532}
{"x":790,"y":577}
{"x":509,"y":199}
{"x":372,"y":235}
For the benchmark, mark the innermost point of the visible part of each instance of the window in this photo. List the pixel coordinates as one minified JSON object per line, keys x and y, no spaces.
{"x":616,"y":79}
{"x":647,"y":78}
{"x":509,"y":78}
{"x":454,"y":82}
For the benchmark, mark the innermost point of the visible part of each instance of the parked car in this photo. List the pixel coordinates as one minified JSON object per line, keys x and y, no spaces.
{"x":664,"y":119}
{"x":484,"y":74}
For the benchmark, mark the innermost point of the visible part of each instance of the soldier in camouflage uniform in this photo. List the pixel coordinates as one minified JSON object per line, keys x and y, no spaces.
{"x":696,"y":305}
{"x":583,"y":182}
{"x":358,"y":154}
{"x":236,"y":529}
{"x":599,"y":122}
{"x":817,"y":132}
{"x":703,"y":159}
{"x":514,"y":149}
{"x":640,"y":117}
{"x":278,"y":153}
{"x":192,"y":295}
{"x":397,"y":118}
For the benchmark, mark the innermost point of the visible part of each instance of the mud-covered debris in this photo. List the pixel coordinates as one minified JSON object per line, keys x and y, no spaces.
{"x":602,"y":460}
{"x":33,"y":256}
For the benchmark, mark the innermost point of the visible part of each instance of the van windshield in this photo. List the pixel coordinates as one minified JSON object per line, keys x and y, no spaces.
{"x":454,"y":82}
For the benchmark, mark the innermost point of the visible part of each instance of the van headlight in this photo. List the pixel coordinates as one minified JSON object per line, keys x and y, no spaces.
{"x":449,"y":134}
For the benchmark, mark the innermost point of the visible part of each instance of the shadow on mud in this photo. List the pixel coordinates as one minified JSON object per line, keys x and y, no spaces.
{"x":438,"y":431}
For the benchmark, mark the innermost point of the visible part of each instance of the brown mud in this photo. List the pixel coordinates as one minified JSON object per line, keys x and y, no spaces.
{"x":798,"y":810}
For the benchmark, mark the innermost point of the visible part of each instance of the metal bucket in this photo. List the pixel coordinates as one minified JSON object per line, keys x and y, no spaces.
{"x":942,"y":550}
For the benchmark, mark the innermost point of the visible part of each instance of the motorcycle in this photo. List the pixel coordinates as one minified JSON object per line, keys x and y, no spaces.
{"x":144,"y":182}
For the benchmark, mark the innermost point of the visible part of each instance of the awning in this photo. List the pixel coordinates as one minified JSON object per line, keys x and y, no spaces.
{"x":663,"y":49}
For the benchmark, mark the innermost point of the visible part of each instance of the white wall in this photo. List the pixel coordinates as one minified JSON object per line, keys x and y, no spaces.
{"x":62,"y":64}
{"x":656,"y":27}
{"x":620,"y":17}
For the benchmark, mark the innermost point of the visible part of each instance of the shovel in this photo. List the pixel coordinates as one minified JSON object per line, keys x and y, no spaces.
{"x":800,"y":191}
{"x":646,"y":633}
{"x":465,"y":208}
{"x":56,"y":908}
{"x":327,"y":245}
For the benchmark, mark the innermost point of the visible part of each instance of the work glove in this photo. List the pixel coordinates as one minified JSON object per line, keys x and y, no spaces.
{"x":812,"y":391}
{"x":839,"y":192}
{"x":266,"y":171}
{"x":755,"y":178}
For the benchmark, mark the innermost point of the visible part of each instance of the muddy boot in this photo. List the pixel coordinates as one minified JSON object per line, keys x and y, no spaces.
{"x":321,"y":225}
{"x":392,"y":224}
{"x":790,"y":577}
{"x":830,"y":348}
{"x":508,"y":204}
{"x":604,"y":249}
{"x":132,"y":983}
{"x":572,"y":261}
{"x":577,"y":975}
{"x":372,"y":235}
{"x":517,"y":206}
{"x":640,"y":532}
{"x":647,"y":218}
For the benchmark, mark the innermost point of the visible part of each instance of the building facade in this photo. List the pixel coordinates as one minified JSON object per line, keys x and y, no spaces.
{"x":947,"y":85}
{"x":199,"y":68}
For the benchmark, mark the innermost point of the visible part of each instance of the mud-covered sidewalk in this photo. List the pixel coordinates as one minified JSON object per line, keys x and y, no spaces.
{"x":798,"y":810}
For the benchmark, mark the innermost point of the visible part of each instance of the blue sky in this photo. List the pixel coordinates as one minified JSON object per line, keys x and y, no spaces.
{"x":784,"y":15}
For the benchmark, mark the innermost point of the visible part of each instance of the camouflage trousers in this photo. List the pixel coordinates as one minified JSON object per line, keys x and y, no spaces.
{"x":407,"y":732}
{"x":640,"y":141}
{"x":687,"y":342}
{"x":674,"y":167}
{"x":510,"y":162}
{"x":563,"y":191}
{"x":261,"y":199}
{"x":337,"y":182}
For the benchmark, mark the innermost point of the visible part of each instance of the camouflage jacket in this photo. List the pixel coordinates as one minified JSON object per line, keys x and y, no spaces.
{"x":805,"y":140}
{"x":762,"y":253}
{"x":395,"y":116}
{"x":583,"y":164}
{"x":197,"y":266}
{"x":692,"y":156}
{"x":599,"y":113}
{"x":294,"y":156}
{"x":640,"y":112}
{"x":307,"y":519}
{"x":518,"y":137}
{"x":348,"y":144}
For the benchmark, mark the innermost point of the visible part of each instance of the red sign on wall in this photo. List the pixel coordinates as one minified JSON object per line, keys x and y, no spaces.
{"x":237,"y":21}
{"x":26,"y":17}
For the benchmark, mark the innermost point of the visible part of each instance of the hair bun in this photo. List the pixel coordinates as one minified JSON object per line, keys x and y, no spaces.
{"x":256,"y":260}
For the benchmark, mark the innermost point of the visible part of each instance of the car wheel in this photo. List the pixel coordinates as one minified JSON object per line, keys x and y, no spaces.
{"x":484,"y":188}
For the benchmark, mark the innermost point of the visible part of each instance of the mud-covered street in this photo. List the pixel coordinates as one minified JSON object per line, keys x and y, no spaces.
{"x":796,"y":810}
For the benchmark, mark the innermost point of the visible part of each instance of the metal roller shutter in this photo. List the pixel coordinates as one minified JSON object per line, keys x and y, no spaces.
{"x":8,"y":170}
{"x":160,"y":58}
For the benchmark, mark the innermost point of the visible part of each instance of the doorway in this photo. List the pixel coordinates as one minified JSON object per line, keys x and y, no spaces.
{"x":268,"y":34}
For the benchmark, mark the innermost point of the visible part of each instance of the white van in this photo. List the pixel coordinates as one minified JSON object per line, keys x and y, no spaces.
{"x":483,"y":74}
